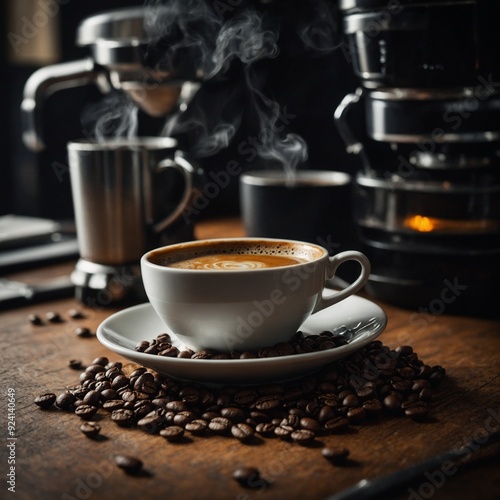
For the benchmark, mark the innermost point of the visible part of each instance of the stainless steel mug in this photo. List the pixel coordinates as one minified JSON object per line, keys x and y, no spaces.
{"x":126,"y":194}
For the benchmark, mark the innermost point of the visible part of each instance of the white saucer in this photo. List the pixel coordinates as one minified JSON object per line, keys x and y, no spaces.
{"x":361,"y":319}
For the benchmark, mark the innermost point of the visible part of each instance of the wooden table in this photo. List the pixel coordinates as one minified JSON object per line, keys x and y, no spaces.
{"x":54,"y":460}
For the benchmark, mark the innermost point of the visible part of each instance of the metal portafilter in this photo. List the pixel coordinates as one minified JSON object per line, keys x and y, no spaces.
{"x":122,"y":57}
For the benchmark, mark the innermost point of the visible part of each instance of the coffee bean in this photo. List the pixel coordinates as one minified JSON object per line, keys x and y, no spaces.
{"x":245,"y":397}
{"x":392,"y":402}
{"x":220,"y":425}
{"x":366,"y":392}
{"x":283,"y":431}
{"x":65,"y":401}
{"x":151,"y":423}
{"x":177,"y":406}
{"x":113,"y":404}
{"x":108,"y":394}
{"x":267,"y":403}
{"x":75,"y":364}
{"x":203,"y":355}
{"x":128,"y":463}
{"x":417,"y":411}
{"x":45,"y":400}
{"x":337,"y":456}
{"x":234,"y":414}
{"x":373,"y":406}
{"x":337,"y":424}
{"x":34,"y":319}
{"x":243,"y":432}
{"x":119,"y":382}
{"x":356,"y":415}
{"x":172,"y":433}
{"x":197,"y":426}
{"x":83,"y":332}
{"x":75,"y":314}
{"x":169,"y":352}
{"x":53,"y":317}
{"x":142,"y":346}
{"x":92,"y":398}
{"x":184,"y":417}
{"x":90,"y":429}
{"x":86,"y":412}
{"x":303,"y":436}
{"x":248,"y":477}
{"x":265,"y":428}
{"x":310,"y":424}
{"x":102,"y":360}
{"x":123,"y":417}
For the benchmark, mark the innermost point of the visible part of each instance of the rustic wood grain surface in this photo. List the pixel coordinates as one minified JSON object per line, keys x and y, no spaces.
{"x":53,"y":459}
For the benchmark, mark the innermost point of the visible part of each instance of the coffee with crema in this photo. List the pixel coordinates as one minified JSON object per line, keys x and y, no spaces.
{"x":234,"y":257}
{"x":242,"y":294}
{"x":232,"y":262}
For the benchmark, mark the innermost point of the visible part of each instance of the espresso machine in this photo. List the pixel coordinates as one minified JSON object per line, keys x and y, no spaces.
{"x":123,"y":60}
{"x":425,"y":126}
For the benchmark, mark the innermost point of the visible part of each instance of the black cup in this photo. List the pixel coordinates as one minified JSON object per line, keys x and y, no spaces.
{"x":312,"y":205}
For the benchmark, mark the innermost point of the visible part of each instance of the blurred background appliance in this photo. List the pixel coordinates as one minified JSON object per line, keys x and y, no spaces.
{"x":37,"y":182}
{"x":425,"y":125}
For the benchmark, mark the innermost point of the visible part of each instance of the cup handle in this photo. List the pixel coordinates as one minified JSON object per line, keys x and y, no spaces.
{"x":332,"y":266}
{"x":187,"y":170}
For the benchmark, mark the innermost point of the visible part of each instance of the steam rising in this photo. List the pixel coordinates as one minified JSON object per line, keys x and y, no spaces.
{"x":115,"y":116}
{"x":191,"y":36}
{"x":212,"y":49}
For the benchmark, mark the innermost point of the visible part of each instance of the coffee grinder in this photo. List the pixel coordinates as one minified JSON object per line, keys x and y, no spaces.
{"x":425,"y":124}
{"x":122,"y":59}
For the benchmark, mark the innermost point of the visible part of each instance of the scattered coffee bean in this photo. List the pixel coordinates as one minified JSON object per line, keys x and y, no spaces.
{"x":197,"y":426}
{"x":123,"y":417}
{"x":303,"y":436}
{"x":86,"y":412}
{"x":65,"y":401}
{"x":220,"y":425}
{"x":75,"y":364}
{"x":417,"y":411}
{"x":247,"y":476}
{"x":75,"y":314}
{"x":34,"y":319}
{"x":45,"y":400}
{"x":336,"y":456}
{"x":53,"y":317}
{"x":128,"y":463}
{"x":364,"y":387}
{"x":172,"y":433}
{"x":90,"y":429}
{"x":243,"y":432}
{"x":83,"y":332}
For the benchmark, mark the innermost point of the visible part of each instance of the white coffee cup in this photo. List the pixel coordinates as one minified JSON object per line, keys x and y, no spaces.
{"x":242,"y":294}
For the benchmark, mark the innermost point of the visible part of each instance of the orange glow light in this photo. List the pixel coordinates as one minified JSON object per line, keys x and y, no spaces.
{"x":421,"y":223}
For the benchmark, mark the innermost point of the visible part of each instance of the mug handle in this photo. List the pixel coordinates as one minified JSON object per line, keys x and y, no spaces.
{"x":187,"y":170}
{"x":332,"y":266}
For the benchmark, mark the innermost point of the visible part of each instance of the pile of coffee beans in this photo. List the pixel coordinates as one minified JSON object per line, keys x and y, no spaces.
{"x":364,"y":387}
{"x":300,"y":344}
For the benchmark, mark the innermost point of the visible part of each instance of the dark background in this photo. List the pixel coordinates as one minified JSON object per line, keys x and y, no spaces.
{"x":305,"y":82}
